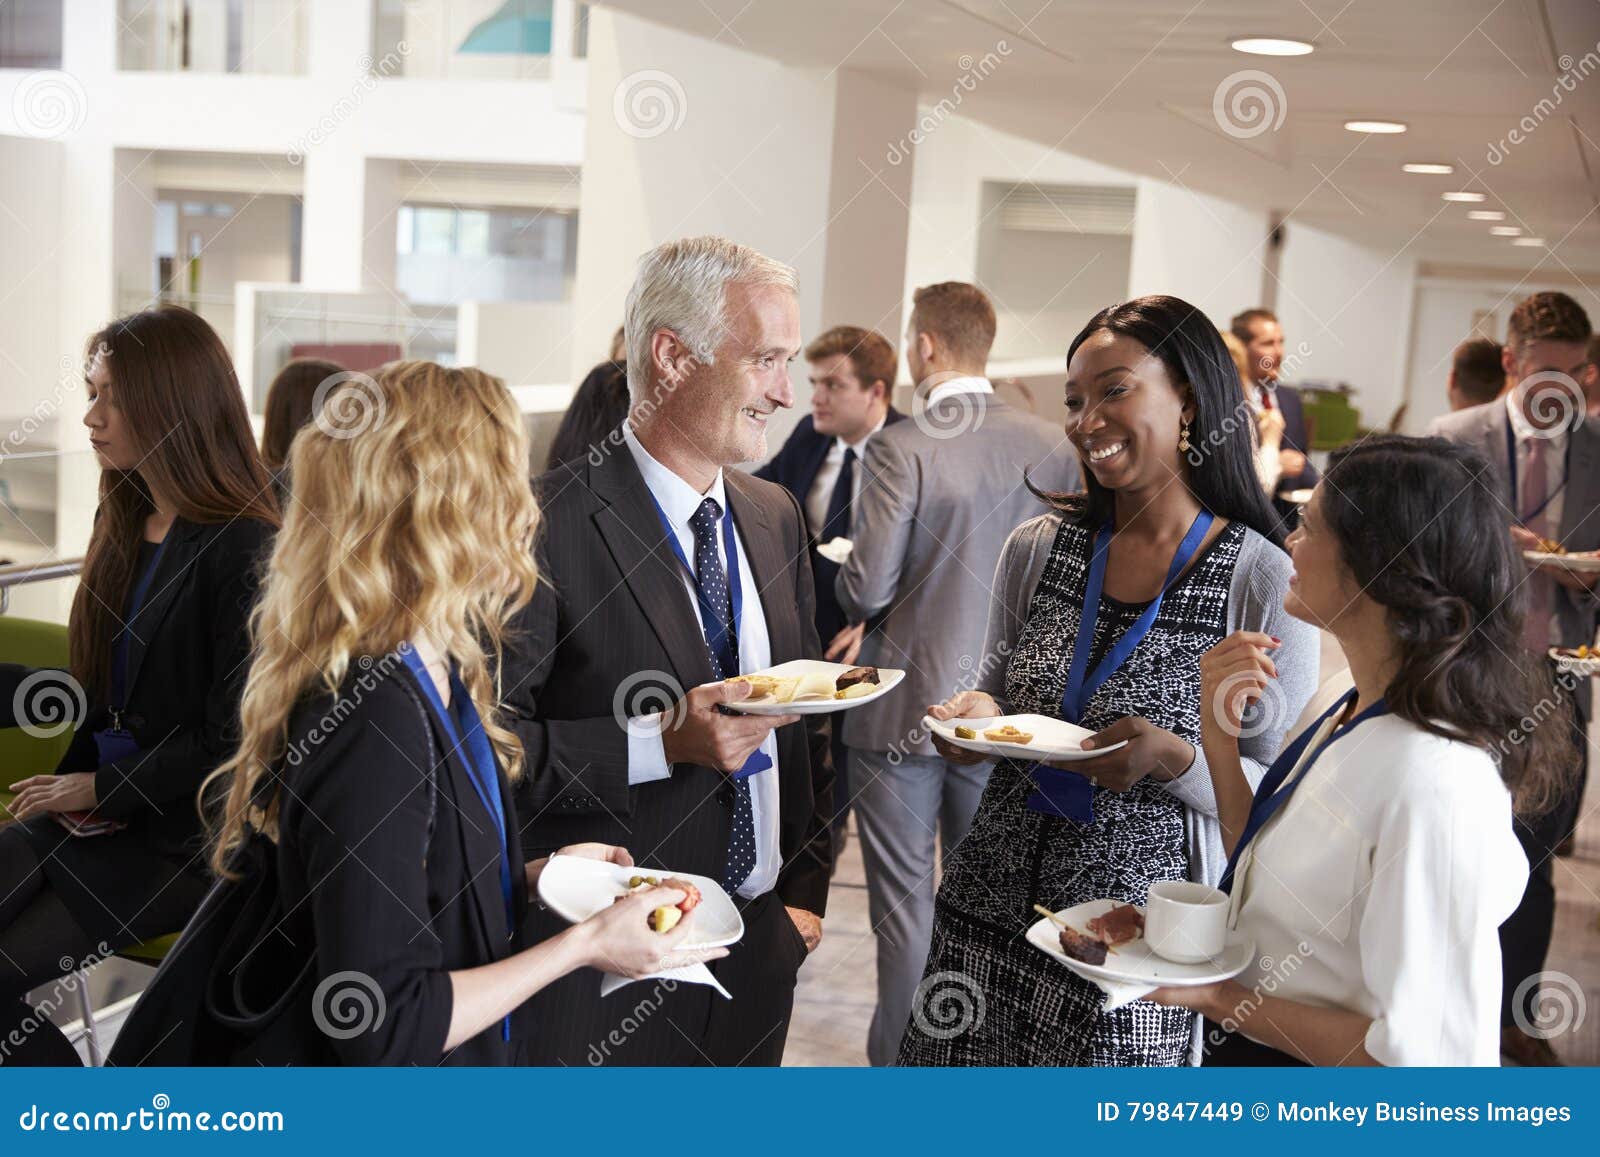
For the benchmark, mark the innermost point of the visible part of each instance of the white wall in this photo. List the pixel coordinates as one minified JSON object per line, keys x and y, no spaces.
{"x":1208,"y":251}
{"x":1345,"y":309}
{"x":30,"y":190}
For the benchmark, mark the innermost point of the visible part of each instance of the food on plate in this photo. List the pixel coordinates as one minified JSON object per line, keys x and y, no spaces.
{"x":966,"y":733}
{"x":772,"y":687}
{"x":1081,"y":947}
{"x":1118,"y":926}
{"x":1551,"y":546}
{"x":640,"y":881}
{"x":856,"y":676}
{"x":665,"y":919}
{"x":1584,"y":651}
{"x":856,"y":691}
{"x":1008,"y":734}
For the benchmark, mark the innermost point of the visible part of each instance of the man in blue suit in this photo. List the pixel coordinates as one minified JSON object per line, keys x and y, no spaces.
{"x":1258,"y":331}
{"x":852,"y":375}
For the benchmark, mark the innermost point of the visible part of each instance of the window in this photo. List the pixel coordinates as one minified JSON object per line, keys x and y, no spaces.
{"x":30,"y":34}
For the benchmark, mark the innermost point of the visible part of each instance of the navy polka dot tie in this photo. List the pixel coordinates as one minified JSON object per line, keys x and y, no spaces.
{"x":711,"y":591}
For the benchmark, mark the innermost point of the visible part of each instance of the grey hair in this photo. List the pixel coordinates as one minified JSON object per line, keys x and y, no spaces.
{"x":682,"y":286}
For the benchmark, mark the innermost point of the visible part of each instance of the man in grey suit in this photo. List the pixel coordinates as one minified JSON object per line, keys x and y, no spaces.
{"x":1546,"y":460}
{"x":939,"y":496}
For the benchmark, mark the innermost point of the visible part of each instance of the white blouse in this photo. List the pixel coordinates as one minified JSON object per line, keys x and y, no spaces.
{"x":1380,"y":887}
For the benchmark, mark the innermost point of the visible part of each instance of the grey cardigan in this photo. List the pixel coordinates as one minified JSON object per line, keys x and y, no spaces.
{"x":1255,"y":603}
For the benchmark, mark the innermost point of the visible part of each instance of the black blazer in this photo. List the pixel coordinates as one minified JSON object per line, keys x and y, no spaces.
{"x":794,"y":467}
{"x":611,"y":607}
{"x":187,"y":660}
{"x":387,"y":877}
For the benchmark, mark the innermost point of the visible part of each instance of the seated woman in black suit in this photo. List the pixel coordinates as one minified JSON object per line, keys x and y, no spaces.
{"x":373,"y":752}
{"x":158,"y":645}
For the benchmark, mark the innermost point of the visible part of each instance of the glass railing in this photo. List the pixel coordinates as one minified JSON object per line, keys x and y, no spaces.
{"x":259,"y":37}
{"x":47,"y":500}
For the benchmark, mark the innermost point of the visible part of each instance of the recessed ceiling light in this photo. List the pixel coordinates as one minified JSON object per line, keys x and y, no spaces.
{"x":1486,"y":215}
{"x":1442,"y":170}
{"x":1529,"y":242}
{"x":1272,"y":46}
{"x":1505,"y":231}
{"x":1469,"y":198}
{"x":1375,"y":126}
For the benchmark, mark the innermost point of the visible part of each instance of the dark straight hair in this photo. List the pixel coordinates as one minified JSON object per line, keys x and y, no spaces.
{"x":1222,"y":471}
{"x":1422,"y":530}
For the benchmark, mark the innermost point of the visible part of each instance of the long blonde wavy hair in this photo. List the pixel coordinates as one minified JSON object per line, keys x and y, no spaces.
{"x":410,"y":511}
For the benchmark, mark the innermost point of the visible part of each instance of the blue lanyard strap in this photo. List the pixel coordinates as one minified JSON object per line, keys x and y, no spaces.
{"x":1078,"y":692}
{"x":1272,"y":794}
{"x":1511,"y":464}
{"x":119,"y":659}
{"x":460,"y":720}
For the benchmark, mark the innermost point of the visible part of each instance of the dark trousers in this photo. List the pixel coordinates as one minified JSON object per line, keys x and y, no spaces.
{"x":841,"y":777}
{"x":661,"y":1022}
{"x":39,"y":943}
{"x":1525,"y":936}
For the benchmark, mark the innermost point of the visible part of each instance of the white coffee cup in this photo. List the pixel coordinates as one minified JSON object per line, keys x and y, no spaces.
{"x":1184,"y":922}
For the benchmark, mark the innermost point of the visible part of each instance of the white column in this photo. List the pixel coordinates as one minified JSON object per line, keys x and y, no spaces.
{"x":333,"y":240}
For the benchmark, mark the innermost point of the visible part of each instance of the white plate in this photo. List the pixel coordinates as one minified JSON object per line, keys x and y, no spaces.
{"x":1585,"y":667}
{"x":888,"y":679}
{"x":1053,"y":739}
{"x":576,"y":888}
{"x":836,"y":550}
{"x":1134,"y":962}
{"x":1588,"y":563}
{"x":1298,"y":497}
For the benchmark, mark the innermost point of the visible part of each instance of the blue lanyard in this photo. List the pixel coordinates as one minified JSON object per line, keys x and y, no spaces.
{"x":1078,"y":692}
{"x":462,"y":718}
{"x":1272,"y":795}
{"x":730,"y":548}
{"x":759,"y":760}
{"x":1511,"y":462}
{"x":119,"y":659}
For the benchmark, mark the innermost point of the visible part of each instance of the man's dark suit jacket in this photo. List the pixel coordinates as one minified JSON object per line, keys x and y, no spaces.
{"x":794,"y":467}
{"x":611,"y":613}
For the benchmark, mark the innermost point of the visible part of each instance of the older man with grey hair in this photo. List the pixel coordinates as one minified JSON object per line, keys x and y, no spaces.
{"x":665,"y":574}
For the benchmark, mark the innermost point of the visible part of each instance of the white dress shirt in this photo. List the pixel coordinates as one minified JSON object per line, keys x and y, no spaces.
{"x":1269,"y":467}
{"x":647,"y":759}
{"x":821,"y":492}
{"x":1555,"y":473}
{"x":1380,"y":888}
{"x":966,"y":385}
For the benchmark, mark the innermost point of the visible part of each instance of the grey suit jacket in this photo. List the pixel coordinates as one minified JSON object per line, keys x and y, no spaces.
{"x":1484,"y":429}
{"x":939,"y":497}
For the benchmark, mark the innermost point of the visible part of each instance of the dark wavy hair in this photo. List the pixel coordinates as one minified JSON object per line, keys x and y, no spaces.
{"x":1422,"y":531}
{"x":1222,"y":472}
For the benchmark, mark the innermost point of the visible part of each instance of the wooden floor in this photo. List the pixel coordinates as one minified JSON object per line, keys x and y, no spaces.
{"x":833,"y":1003}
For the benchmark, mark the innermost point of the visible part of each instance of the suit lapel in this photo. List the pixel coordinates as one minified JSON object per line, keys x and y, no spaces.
{"x":169,"y":580}
{"x":632,"y":531}
{"x":768,"y":561}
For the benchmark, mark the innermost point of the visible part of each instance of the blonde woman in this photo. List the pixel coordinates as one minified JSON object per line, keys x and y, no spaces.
{"x":372,"y":749}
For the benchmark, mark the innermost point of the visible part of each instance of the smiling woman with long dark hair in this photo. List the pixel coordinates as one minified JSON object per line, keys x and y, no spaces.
{"x":1378,"y":855}
{"x":1102,"y":611}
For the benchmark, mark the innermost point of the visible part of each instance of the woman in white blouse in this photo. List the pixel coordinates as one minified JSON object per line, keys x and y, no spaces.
{"x":1376,"y":862}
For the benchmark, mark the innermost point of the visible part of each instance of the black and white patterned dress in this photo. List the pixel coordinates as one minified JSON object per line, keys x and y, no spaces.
{"x":1033,"y":1011}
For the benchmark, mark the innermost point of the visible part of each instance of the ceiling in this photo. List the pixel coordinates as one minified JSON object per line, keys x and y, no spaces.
{"x":1132,"y":83}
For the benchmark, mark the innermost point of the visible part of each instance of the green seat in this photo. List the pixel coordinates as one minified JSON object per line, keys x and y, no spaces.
{"x":33,"y":644}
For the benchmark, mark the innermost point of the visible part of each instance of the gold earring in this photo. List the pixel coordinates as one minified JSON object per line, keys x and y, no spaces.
{"x":1183,"y":437}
